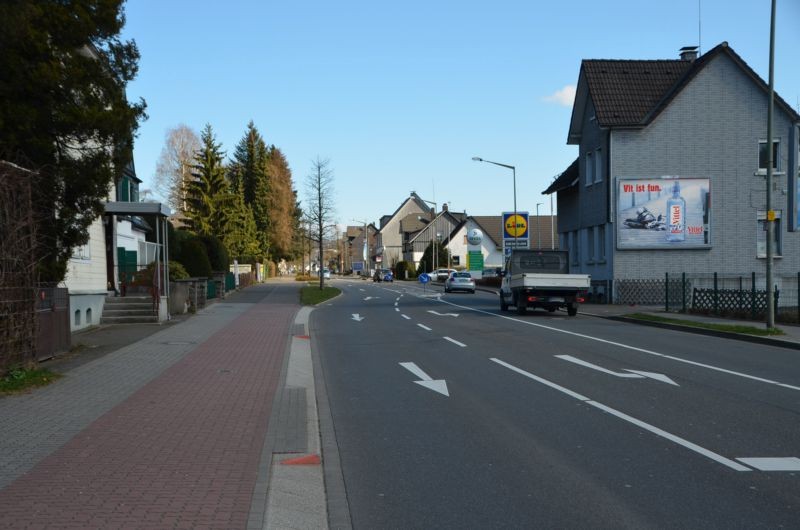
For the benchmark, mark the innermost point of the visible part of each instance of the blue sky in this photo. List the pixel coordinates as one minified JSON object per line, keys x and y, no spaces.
{"x":400,"y":97}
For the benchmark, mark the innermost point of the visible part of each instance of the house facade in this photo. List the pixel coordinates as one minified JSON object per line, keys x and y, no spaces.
{"x":670,"y":173}
{"x":395,"y":229}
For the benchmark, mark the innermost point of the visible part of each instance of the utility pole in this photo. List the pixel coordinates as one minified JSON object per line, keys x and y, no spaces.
{"x":770,"y":214}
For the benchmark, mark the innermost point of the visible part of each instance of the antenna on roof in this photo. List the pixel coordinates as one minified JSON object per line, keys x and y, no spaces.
{"x":699,"y":29}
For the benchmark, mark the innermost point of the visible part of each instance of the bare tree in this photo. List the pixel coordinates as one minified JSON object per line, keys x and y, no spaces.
{"x":319,"y":210}
{"x":174,"y":166}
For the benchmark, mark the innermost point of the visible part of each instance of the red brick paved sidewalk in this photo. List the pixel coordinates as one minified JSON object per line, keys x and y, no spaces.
{"x":181,"y":452}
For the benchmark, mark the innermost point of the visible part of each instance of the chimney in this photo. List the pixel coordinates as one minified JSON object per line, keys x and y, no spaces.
{"x":688,"y":53}
{"x":444,"y":207}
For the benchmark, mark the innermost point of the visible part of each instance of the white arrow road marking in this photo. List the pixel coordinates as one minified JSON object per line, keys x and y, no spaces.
{"x":454,"y":341}
{"x":437,"y":385}
{"x":406,"y":317}
{"x":443,"y":314}
{"x":357,"y":317}
{"x":636,"y":374}
{"x":361,"y":290}
{"x":423,"y":326}
{"x":653,"y":429}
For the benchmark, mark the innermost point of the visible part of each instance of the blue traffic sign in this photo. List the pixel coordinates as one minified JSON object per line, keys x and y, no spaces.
{"x":424,"y":278}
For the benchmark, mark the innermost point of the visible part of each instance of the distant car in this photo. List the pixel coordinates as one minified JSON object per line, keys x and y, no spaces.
{"x":491,"y":273}
{"x":459,"y":281}
{"x":383,"y":275}
{"x":441,"y":275}
{"x":326,"y":273}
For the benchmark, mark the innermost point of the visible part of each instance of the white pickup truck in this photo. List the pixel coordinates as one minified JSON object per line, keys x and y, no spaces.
{"x":540,"y":278}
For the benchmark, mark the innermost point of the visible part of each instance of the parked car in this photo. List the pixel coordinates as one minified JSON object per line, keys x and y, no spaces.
{"x":441,"y":275}
{"x":492,"y":272}
{"x":459,"y":281}
{"x":383,"y":275}
{"x":326,"y":273}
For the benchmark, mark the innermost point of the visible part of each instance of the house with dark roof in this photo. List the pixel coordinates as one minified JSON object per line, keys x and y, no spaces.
{"x":670,"y":174}
{"x":397,"y":229}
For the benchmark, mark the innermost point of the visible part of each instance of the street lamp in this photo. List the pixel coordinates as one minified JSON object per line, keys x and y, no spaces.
{"x":366,"y":241}
{"x":538,"y":229}
{"x":514,"y":172}
{"x":433,"y":256}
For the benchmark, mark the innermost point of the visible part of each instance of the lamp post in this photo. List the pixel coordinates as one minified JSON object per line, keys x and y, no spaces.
{"x":514,"y":173}
{"x":538,"y":228}
{"x":366,"y":242}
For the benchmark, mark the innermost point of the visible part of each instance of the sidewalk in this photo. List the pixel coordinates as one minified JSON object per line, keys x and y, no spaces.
{"x":169,"y":431}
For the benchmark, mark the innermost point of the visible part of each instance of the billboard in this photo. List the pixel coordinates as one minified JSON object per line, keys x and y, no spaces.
{"x":663,"y":213}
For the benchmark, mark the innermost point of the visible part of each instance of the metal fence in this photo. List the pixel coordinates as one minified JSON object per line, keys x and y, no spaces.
{"x":53,"y":333}
{"x":742,"y":296}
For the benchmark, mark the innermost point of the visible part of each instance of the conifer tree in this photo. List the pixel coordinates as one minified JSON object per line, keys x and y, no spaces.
{"x":209,"y":193}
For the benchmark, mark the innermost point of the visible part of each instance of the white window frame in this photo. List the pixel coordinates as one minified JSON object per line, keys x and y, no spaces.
{"x":589,"y":168}
{"x":761,"y":234}
{"x":82,"y":253}
{"x":776,"y":170}
{"x":598,"y":166}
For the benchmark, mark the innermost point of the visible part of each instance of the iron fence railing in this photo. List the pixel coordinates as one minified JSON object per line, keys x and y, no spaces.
{"x":742,"y":296}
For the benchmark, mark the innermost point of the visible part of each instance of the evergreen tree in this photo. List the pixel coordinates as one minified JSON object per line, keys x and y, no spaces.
{"x":63,"y":112}
{"x":209,"y":194}
{"x":249,"y":175}
{"x":240,"y":234}
{"x":426,"y":261}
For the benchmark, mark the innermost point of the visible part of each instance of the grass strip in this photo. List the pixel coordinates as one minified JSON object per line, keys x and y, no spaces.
{"x":313,"y":295}
{"x":23,"y":379}
{"x":729,"y":328}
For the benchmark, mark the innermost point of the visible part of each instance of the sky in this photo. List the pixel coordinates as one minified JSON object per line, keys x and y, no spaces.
{"x":400,"y":96}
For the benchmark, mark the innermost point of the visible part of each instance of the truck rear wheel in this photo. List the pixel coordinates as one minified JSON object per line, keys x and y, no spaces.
{"x":521,"y":306}
{"x":572,"y":310}
{"x":503,"y":304}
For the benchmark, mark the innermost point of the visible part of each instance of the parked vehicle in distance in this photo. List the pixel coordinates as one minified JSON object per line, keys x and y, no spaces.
{"x":383,"y":275}
{"x":459,"y":281}
{"x":441,"y":275}
{"x":492,"y":272}
{"x":326,"y":273}
{"x":541,"y":278}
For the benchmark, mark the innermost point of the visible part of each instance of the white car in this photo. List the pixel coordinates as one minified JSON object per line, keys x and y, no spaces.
{"x":459,"y":281}
{"x":326,"y":273}
{"x":441,"y":275}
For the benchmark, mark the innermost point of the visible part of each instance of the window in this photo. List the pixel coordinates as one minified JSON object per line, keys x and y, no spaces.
{"x":601,"y":243}
{"x":590,"y":245}
{"x":589,"y":168}
{"x":598,"y":166}
{"x":82,"y":252}
{"x":761,"y":236}
{"x":762,"y":156}
{"x":456,"y":260}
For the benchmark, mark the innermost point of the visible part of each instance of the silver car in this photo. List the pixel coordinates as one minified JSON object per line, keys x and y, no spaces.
{"x":459,"y":281}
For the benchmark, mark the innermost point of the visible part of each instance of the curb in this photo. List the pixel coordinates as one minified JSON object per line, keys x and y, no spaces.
{"x":702,"y":331}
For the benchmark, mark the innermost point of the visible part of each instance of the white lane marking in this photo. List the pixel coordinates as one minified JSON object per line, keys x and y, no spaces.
{"x":361,"y":289}
{"x":437,"y":385}
{"x":653,"y":429}
{"x":443,"y":314}
{"x":635,"y":374}
{"x":370,"y":298}
{"x":395,"y":304}
{"x":357,"y":317}
{"x":455,"y":342}
{"x":789,"y":463}
{"x":423,"y":326}
{"x":634,"y":348}
{"x":406,"y":317}
{"x":397,"y":309}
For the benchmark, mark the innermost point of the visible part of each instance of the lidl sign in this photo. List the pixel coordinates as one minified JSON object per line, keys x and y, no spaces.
{"x":515,"y":225}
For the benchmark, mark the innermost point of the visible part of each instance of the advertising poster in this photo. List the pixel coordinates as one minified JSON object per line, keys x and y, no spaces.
{"x":663,"y":213}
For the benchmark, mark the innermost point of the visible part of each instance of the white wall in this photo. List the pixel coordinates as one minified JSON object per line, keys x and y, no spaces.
{"x":86,"y":279}
{"x":492,"y":257}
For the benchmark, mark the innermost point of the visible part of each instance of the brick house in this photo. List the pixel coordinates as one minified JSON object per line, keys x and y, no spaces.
{"x":670,"y":174}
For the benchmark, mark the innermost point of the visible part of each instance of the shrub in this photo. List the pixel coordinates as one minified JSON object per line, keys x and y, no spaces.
{"x":217,"y":253}
{"x":401,"y":268}
{"x":194,"y":258}
{"x":176,"y":272}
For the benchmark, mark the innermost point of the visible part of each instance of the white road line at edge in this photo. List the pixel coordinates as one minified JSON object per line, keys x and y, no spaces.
{"x":621,"y":415}
{"x":454,"y":341}
{"x":405,"y":316}
{"x":634,"y":348}
{"x":423,"y":326}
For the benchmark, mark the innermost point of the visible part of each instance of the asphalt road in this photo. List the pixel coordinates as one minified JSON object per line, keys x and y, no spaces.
{"x":546,"y":420}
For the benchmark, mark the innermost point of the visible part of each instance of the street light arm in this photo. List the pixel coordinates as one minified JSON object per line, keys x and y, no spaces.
{"x":479,"y":159}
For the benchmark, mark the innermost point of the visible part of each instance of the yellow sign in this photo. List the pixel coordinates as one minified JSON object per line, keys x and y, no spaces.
{"x":516,"y":226}
{"x":770,"y":215}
